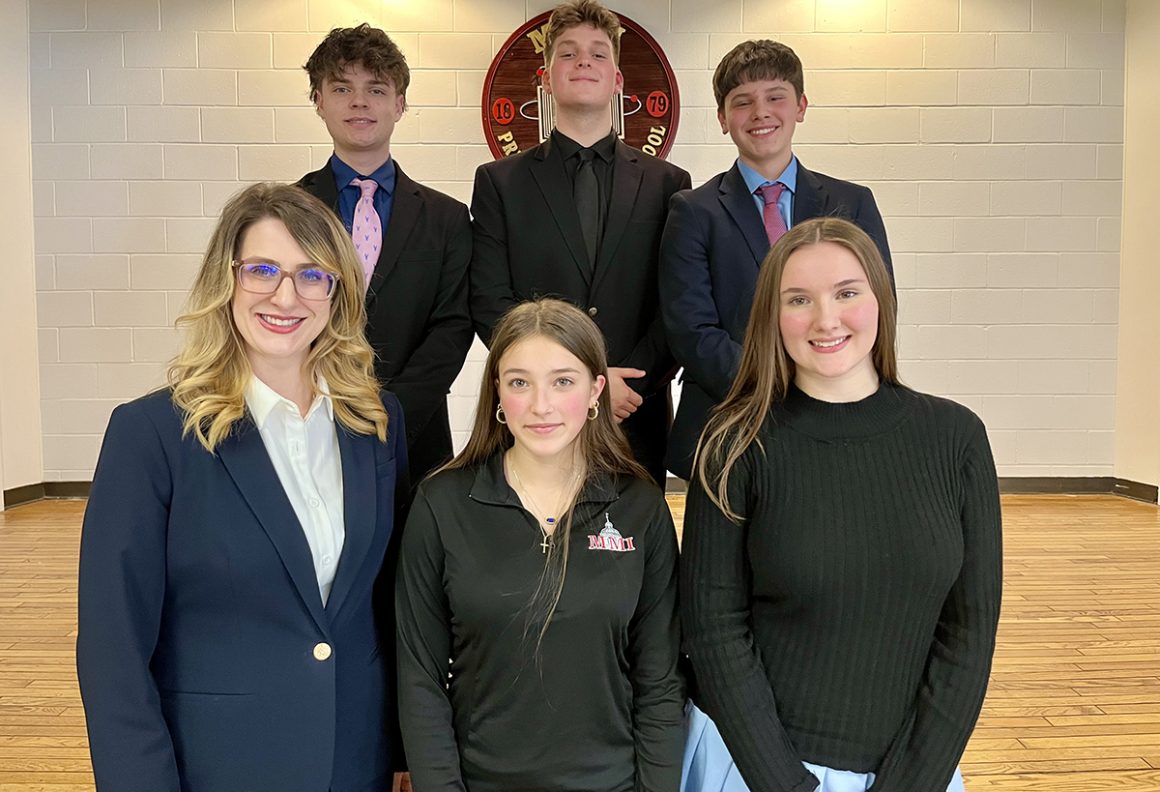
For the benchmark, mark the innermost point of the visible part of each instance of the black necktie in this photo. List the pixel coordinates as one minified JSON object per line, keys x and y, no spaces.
{"x":586,"y":194}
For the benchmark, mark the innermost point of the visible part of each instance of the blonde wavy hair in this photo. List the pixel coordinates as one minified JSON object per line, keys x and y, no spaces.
{"x":208,"y":377}
{"x":766,"y":370}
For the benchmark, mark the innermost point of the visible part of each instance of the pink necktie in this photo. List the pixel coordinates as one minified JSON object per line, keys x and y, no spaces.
{"x":770,"y":214}
{"x":366,"y":230}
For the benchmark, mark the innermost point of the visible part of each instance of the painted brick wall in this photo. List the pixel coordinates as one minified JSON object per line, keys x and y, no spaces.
{"x":990,"y":130}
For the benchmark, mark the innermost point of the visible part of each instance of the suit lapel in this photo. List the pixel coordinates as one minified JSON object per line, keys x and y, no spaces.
{"x":359,"y":508}
{"x":406,"y":205}
{"x":809,"y":200}
{"x":245,"y":459}
{"x":738,"y":202}
{"x":626,"y":178}
{"x":321,"y":185}
{"x":548,"y":171}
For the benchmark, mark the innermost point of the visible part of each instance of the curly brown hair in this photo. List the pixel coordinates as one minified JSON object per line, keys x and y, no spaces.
{"x":363,"y":45}
{"x":581,"y":12}
{"x":759,"y":59}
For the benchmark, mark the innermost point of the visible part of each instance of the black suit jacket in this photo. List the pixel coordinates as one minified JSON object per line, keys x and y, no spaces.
{"x":528,"y":244}
{"x":417,"y":313}
{"x":713,"y":246}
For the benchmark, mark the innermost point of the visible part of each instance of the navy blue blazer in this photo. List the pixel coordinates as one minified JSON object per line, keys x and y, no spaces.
{"x":206,"y":660}
{"x":712,"y":248}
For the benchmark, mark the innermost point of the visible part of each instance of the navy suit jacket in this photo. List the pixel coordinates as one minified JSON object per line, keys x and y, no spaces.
{"x":417,"y":311}
{"x":201,"y":626}
{"x":713,"y":246}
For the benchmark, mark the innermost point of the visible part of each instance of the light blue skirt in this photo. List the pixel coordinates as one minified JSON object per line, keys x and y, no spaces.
{"x":708,"y":767}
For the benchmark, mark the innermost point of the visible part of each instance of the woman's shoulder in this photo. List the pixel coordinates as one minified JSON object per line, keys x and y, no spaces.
{"x":642,"y":496}
{"x":156,"y":406}
{"x":448,"y":485}
{"x":940,"y":408}
{"x":629,"y":486}
{"x":944,"y":422}
{"x":148,"y":422}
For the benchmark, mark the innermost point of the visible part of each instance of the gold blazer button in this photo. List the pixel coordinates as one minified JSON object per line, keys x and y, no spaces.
{"x":322,"y":651}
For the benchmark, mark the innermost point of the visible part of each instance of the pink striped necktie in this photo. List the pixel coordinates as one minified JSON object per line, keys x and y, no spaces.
{"x":366,"y":229}
{"x":770,"y":214}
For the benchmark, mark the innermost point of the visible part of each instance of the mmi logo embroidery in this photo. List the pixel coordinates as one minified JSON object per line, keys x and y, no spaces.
{"x":610,"y":539}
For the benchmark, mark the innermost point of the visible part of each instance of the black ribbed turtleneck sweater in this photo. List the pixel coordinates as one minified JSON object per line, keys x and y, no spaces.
{"x":849,"y":620}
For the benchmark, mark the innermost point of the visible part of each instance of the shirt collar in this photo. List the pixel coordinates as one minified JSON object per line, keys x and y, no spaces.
{"x":605,"y":148}
{"x":262,"y":401}
{"x":754,"y":180}
{"x":384,"y":175}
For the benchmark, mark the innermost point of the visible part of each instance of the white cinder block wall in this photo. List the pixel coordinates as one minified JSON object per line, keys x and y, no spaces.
{"x":990,"y":130}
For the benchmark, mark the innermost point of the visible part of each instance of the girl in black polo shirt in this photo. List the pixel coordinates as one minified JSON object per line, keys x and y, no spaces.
{"x":541,"y":562}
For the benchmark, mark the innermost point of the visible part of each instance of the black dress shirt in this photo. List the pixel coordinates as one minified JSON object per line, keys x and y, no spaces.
{"x":602,"y":164}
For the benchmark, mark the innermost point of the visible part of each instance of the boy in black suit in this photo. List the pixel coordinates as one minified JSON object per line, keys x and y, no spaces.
{"x":718,"y":234}
{"x":414,"y":242}
{"x":580,"y":217}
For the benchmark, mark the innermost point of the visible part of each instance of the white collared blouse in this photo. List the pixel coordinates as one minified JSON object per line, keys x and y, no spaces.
{"x":305,"y":455}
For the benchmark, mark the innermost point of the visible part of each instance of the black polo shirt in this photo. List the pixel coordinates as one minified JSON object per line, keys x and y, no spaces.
{"x":599,"y":706}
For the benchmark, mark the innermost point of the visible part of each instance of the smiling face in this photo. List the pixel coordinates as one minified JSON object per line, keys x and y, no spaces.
{"x":829,"y":322}
{"x":360,"y":111}
{"x":277,"y":329}
{"x":545,"y":392}
{"x":582,"y":72}
{"x":760,"y":116}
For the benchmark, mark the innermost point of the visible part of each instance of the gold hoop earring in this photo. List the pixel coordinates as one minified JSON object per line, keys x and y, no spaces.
{"x":499,"y":416}
{"x":593,"y":411}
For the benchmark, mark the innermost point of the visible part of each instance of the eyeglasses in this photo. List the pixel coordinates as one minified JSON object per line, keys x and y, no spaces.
{"x":265,"y":277}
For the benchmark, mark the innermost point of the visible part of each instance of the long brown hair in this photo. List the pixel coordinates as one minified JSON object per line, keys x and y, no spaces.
{"x":209,"y":375}
{"x":766,"y":370}
{"x":602,"y":448}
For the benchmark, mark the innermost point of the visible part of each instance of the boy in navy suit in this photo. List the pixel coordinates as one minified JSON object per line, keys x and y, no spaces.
{"x":717,"y":235}
{"x":414,"y":242}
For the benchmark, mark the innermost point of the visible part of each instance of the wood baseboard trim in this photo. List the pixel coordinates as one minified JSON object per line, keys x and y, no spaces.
{"x":1008,"y":485}
{"x":1136,"y":491}
{"x":18,"y":496}
{"x":1040,"y":485}
{"x":67,"y":489}
{"x":1056,"y":485}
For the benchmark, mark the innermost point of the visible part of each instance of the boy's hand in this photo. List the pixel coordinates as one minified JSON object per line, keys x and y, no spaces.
{"x":624,"y":399}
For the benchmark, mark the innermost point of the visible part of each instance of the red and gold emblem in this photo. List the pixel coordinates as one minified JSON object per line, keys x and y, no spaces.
{"x":517,"y":114}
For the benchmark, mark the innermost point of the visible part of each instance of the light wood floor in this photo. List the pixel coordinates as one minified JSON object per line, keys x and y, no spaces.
{"x":1074,"y":702}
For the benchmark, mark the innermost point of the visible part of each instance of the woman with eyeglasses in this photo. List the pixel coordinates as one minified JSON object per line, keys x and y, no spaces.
{"x":230,"y":632}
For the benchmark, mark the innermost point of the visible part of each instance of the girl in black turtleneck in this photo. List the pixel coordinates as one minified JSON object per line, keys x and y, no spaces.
{"x":842,"y":565}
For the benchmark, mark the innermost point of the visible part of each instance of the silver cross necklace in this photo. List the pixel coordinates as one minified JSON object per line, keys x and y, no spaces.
{"x":548,"y":526}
